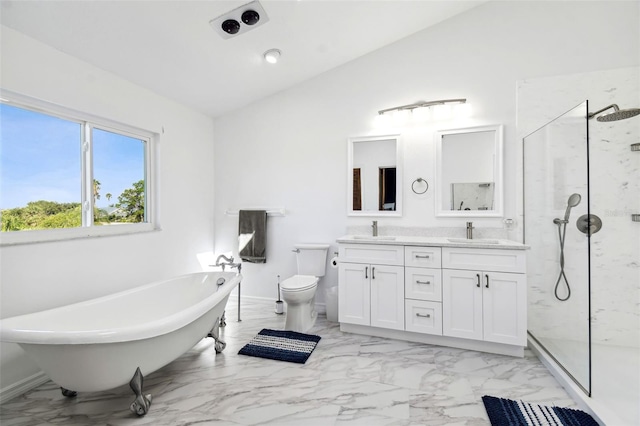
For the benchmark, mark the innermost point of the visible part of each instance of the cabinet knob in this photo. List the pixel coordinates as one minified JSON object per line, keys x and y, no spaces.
{"x":423,"y":282}
{"x":423,"y":315}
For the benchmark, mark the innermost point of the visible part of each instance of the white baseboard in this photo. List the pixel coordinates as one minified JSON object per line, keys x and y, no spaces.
{"x":23,"y":386}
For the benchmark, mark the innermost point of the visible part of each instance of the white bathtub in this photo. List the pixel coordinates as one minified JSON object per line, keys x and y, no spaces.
{"x":98,"y":344}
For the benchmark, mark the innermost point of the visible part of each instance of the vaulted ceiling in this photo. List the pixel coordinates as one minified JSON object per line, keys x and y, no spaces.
{"x":170,"y":48}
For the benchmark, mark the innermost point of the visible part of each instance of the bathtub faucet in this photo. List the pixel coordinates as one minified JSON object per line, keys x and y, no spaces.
{"x":227,"y":261}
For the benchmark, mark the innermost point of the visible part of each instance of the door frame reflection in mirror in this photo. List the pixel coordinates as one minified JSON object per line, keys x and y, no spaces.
{"x":443,"y":188}
{"x":376,"y":170}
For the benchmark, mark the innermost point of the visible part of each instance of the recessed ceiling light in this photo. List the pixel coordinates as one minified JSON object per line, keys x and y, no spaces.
{"x":272,"y":56}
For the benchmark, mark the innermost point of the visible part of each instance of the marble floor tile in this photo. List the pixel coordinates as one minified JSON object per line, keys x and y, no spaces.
{"x":349,"y":379}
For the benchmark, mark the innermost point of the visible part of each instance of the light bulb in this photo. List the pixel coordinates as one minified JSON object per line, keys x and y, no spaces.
{"x":442,"y":112}
{"x":400,"y":117}
{"x":462,"y":110}
{"x":421,"y":114}
{"x":382,"y":121}
{"x":272,"y":56}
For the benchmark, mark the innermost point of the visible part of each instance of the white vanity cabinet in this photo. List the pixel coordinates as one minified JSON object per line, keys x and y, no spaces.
{"x":469,"y":295}
{"x":371,"y":290}
{"x":484,"y":295}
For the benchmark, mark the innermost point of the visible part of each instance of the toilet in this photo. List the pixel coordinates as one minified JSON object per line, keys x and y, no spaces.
{"x":299,"y":291}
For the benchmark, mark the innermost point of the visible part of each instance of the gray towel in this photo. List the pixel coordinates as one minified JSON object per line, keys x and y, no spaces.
{"x":252,"y":235}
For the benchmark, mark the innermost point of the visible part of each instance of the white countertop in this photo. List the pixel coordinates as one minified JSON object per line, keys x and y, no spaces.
{"x":484,"y":243}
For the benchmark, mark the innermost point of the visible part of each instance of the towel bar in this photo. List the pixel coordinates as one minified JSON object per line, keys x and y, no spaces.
{"x":270,"y":212}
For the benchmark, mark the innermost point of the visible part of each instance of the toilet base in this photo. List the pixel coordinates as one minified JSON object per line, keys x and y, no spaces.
{"x":301,"y":303}
{"x":300,"y":317}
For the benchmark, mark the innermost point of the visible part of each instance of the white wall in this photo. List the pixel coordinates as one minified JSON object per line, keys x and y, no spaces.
{"x":39,"y":276}
{"x":290,"y":149}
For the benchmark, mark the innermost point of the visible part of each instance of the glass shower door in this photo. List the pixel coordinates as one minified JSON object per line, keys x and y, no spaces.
{"x":556,"y":196}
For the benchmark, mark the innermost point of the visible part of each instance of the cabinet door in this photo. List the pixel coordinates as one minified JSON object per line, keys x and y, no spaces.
{"x":354,"y":293}
{"x":462,"y":304}
{"x":504,"y":302}
{"x":387,"y":296}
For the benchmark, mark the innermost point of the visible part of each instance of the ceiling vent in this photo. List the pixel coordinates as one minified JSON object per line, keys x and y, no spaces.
{"x":240,"y":20}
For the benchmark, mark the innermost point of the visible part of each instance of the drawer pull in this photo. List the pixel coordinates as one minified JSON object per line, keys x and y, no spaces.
{"x":487,"y":277}
{"x":423,"y":315}
{"x":419,"y":256}
{"x":373,"y":272}
{"x":478,"y":277}
{"x":366,"y":272}
{"x":423,"y":282}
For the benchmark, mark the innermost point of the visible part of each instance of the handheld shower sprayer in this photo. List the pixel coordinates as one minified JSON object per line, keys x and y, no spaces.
{"x":574,"y":200}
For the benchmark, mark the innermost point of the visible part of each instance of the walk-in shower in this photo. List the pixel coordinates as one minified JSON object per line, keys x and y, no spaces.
{"x":581,"y":193}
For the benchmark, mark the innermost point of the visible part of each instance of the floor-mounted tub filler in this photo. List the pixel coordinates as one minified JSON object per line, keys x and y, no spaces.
{"x":113,"y":340}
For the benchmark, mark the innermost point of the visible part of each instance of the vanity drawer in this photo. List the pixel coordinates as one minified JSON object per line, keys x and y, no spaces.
{"x":370,"y":253}
{"x":484,"y":259}
{"x":423,"y":283}
{"x":423,"y":317}
{"x":426,"y":257}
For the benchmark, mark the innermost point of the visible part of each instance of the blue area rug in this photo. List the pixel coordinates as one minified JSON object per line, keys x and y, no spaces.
{"x":281,"y":345}
{"x":506,"y":412}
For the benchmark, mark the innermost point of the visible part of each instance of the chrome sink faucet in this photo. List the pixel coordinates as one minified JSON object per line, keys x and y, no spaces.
{"x":469,"y":230}
{"x":375,"y":228}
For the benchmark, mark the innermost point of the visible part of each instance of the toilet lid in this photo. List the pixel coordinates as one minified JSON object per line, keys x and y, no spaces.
{"x":299,"y":282}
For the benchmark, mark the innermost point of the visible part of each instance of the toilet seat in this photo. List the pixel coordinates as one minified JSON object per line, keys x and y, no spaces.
{"x":299,"y":283}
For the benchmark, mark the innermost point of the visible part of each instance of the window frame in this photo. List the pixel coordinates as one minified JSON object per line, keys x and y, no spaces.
{"x":89,"y":122}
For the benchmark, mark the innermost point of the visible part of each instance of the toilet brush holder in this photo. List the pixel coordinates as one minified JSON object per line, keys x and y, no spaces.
{"x":279,"y":303}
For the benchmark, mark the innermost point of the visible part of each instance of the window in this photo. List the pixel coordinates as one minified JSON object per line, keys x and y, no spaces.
{"x":65,"y":175}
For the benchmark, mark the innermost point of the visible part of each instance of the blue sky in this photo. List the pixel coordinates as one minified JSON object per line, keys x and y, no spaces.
{"x":40,"y":159}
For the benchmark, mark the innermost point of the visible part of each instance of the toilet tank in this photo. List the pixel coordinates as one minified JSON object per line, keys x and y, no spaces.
{"x":312,"y":259}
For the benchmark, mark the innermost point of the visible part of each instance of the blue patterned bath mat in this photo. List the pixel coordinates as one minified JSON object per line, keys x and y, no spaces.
{"x":281,"y":345}
{"x":506,"y":412}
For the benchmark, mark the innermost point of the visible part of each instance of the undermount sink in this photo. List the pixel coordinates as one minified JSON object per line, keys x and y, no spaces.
{"x":476,"y":241}
{"x":372,"y":238}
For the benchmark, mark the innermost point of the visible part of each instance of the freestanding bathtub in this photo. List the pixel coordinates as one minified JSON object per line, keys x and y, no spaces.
{"x":107,"y":342}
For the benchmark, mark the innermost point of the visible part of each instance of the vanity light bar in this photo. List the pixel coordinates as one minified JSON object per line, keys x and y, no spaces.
{"x":423,"y":104}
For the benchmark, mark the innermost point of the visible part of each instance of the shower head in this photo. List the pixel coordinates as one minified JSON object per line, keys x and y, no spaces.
{"x":617,"y":114}
{"x":574,"y":200}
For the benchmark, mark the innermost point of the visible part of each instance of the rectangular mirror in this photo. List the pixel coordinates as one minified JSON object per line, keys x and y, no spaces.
{"x":375,"y":178}
{"x":469,"y":172}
